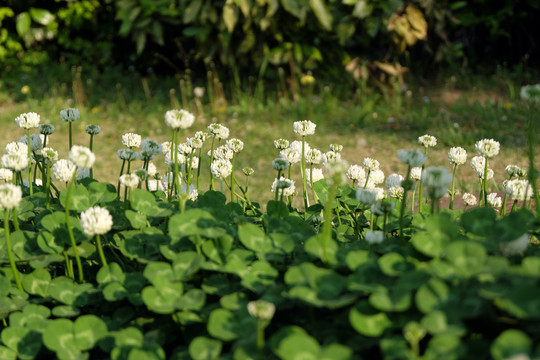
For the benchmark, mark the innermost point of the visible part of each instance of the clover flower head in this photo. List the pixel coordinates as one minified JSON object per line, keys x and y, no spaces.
{"x":416,"y":173}
{"x":141,"y":173}
{"x":96,"y":221}
{"x":46,"y":129}
{"x":393,"y":180}
{"x":236,"y":145}
{"x":376,"y":177}
{"x":221,"y":168}
{"x":336,"y":147}
{"x":480,"y":174}
{"x":413,"y":158}
{"x":374,"y":237}
{"x":336,"y":171}
{"x":195,"y":142}
{"x":478,"y":163}
{"x":330,"y":156}
{"x":219,"y":131}
{"x":494,"y":201}
{"x":427,"y":141}
{"x":81,"y":156}
{"x":63,"y":170}
{"x":512,"y":170}
{"x":356,"y":173}
{"x":194,"y":162}
{"x":155,"y":185}
{"x":457,"y":156}
{"x":6,"y":175}
{"x":131,"y":140}
{"x":17,"y":147}
{"x":396,"y":192}
{"x":297,"y":146}
{"x":530,"y":93}
{"x":487,"y":148}
{"x":185,"y":149}
{"x":284,"y":186}
{"x":519,"y":190}
{"x":70,"y":115}
{"x":281,"y":144}
{"x":469,"y":199}
{"x":261,"y":309}
{"x":82,"y":173}
{"x":280,"y":164}
{"x":516,"y":246}
{"x":201,"y":135}
{"x":10,"y":196}
{"x":314,"y":156}
{"x":179,"y":119}
{"x":291,"y":155}
{"x":222,"y":152}
{"x":127,"y":154}
{"x":15,"y":162}
{"x":370,"y":164}
{"x":28,"y":121}
{"x":198,"y":91}
{"x":35,"y":142}
{"x":180,"y":158}
{"x":152,"y":169}
{"x":248,"y":171}
{"x":92,"y":129}
{"x":317,"y":175}
{"x":304,"y":127}
{"x":129,"y":180}
{"x":366,"y":196}
{"x":191,"y":194}
{"x":166,"y":147}
{"x":149,"y":149}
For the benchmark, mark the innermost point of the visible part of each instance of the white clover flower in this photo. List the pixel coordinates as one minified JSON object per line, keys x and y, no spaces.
{"x":149,"y":149}
{"x":10,"y":196}
{"x":356,"y":173}
{"x":194,"y":162}
{"x":376,"y":177}
{"x":201,"y":135}
{"x":28,"y":120}
{"x":370,"y":164}
{"x":16,"y":147}
{"x":127,"y":154}
{"x":168,"y":178}
{"x":480,"y":174}
{"x":261,"y":309}
{"x":285,"y":186}
{"x":396,"y":192}
{"x":92,"y":129}
{"x":469,"y":199}
{"x":155,"y":185}
{"x":6,"y":175}
{"x":514,"y":247}
{"x":436,"y":179}
{"x":393,"y":180}
{"x":82,"y":173}
{"x":291,"y":155}
{"x":248,"y":171}
{"x":222,"y":152}
{"x":152,"y":169}
{"x":96,"y":221}
{"x":530,"y":93}
{"x":179,"y":119}
{"x":413,"y":158}
{"x":194,"y":142}
{"x":236,"y":145}
{"x":374,"y":237}
{"x":221,"y":168}
{"x":330,"y":156}
{"x":427,"y":141}
{"x":180,"y":158}
{"x":70,"y":115}
{"x":280,"y":164}
{"x":166,"y":147}
{"x":297,"y":146}
{"x":81,"y":156}
{"x":131,"y":140}
{"x":192,"y":194}
{"x":129,"y":180}
{"x":512,"y":170}
{"x":336,"y":172}
{"x":457,"y":156}
{"x":478,"y":163}
{"x":15,"y":162}
{"x":46,"y":129}
{"x":366,"y":196}
{"x":519,"y":190}
{"x":317,"y":175}
{"x":198,"y":91}
{"x":487,"y":148}
{"x":494,"y":200}
{"x":314,"y":156}
{"x":219,"y":131}
{"x":416,"y":173}
{"x":63,"y":170}
{"x":281,"y":144}
{"x":304,"y":127}
{"x":141,"y":173}
{"x":336,"y":147}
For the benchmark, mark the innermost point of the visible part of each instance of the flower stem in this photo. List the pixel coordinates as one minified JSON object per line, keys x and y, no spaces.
{"x":327,"y":225}
{"x":406,"y":188}
{"x":100,"y":251}
{"x":260,"y":339}
{"x":10,"y":253}
{"x":452,"y":193}
{"x":212,"y":187}
{"x":420,"y":192}
{"x":70,"y":230}
{"x":91,"y":149}
{"x":70,"y":136}
{"x":304,"y":183}
{"x":484,"y":181}
{"x":29,"y":163}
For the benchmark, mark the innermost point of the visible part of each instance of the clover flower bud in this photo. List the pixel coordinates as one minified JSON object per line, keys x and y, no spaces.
{"x":70,"y":115}
{"x":261,"y":309}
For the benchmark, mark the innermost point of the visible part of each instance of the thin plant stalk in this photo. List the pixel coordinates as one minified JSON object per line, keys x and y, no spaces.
{"x":304,"y":183}
{"x":212,"y":187}
{"x":484,"y":181}
{"x":91,"y":149}
{"x":327,"y":225}
{"x":48,"y":183}
{"x":367,"y":178}
{"x":406,"y":188}
{"x":452,"y":193}
{"x":100,"y":251}
{"x":121,"y":173}
{"x":30,"y":182}
{"x":232,"y":177}
{"x":10,"y":253}
{"x":70,"y":230}
{"x":420,"y":190}
{"x":260,"y":339}
{"x":70,"y":135}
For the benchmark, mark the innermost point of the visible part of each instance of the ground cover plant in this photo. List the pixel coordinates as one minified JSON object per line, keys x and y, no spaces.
{"x":177,"y":258}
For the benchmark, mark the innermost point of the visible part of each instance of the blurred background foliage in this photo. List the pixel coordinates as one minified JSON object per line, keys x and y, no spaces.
{"x":372,"y":41}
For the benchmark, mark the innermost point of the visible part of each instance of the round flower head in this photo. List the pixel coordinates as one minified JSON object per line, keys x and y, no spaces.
{"x":219,"y":131}
{"x":427,"y":141}
{"x":480,"y":174}
{"x":63,"y":170}
{"x":46,"y":129}
{"x":6,"y":175}
{"x":284,"y":186}
{"x":81,"y":156}
{"x":201,"y":135}
{"x":185,"y":149}
{"x":155,"y":185}
{"x":194,"y":162}
{"x":149,"y":149}
{"x":221,"y":168}
{"x":194,"y":142}
{"x":281,"y":144}
{"x":370,"y":164}
{"x":235,"y":145}
{"x":129,"y":180}
{"x":416,"y":173}
{"x":514,"y":247}
{"x":180,"y":158}
{"x":469,"y":199}
{"x":179,"y":119}
{"x":28,"y":120}
{"x":291,"y":155}
{"x":70,"y":115}
{"x":436,"y":179}
{"x":35,"y":142}
{"x":10,"y":196}
{"x":82,"y":173}
{"x":374,"y":237}
{"x":16,"y":147}
{"x":519,"y":190}
{"x":131,"y":140}
{"x":96,"y":221}
{"x":330,"y":156}
{"x":478,"y":163}
{"x":356,"y":173}
{"x":396,"y":192}
{"x":248,"y":171}
{"x":280,"y":164}
{"x":336,"y":172}
{"x":304,"y":127}
{"x":457,"y":156}
{"x":377,"y":177}
{"x":366,"y":196}
{"x":92,"y":129}
{"x":393,"y":180}
{"x":317,"y":175}
{"x":222,"y":152}
{"x":413,"y":158}
{"x":15,"y":162}
{"x":487,"y":148}
{"x":513,"y":170}
{"x":198,"y":92}
{"x":314,"y":156}
{"x":494,"y":200}
{"x":192,"y":194}
{"x":530,"y":93}
{"x":166,"y":147}
{"x":141,"y":173}
{"x":336,"y":147}
{"x":297,"y":146}
{"x":261,"y":309}
{"x":152,"y":169}
{"x":127,"y":154}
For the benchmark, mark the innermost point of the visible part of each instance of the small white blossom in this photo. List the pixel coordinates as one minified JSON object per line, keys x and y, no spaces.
{"x":317,"y":175}
{"x":304,"y":127}
{"x":222,"y":152}
{"x":248,"y":171}
{"x":469,"y":199}
{"x":194,"y":142}
{"x":127,"y":154}
{"x":96,"y":221}
{"x":330,"y":156}
{"x":221,"y":168}
{"x":514,"y":247}
{"x":236,"y":145}
{"x":16,"y":147}
{"x":427,"y":141}
{"x":291,"y":155}
{"x":261,"y":309}
{"x":155,"y":185}
{"x":149,"y":149}
{"x":166,"y":147}
{"x":192,"y":194}
{"x":487,"y":148}
{"x":413,"y":158}
{"x":92,"y":129}
{"x":63,"y":170}
{"x":513,"y":170}
{"x":179,"y":119}
{"x":70,"y":115}
{"x":28,"y":120}
{"x":81,"y":156}
{"x":366,"y":196}
{"x":152,"y":169}
{"x":10,"y":196}
{"x":6,"y":175}
{"x":393,"y":180}
{"x":283,"y":185}
{"x":131,"y":140}
{"x":201,"y":135}
{"x":416,"y":173}
{"x":519,"y":190}
{"x":198,"y":91}
{"x":374,"y":237}
{"x":336,"y":147}
{"x":180,"y":158}
{"x":35,"y":142}
{"x":280,"y":164}
{"x":219,"y":131}
{"x":376,"y":177}
{"x":436,"y":179}
{"x":281,"y":144}
{"x":336,"y":172}
{"x":129,"y":180}
{"x":356,"y":173}
{"x":15,"y":162}
{"x":494,"y":200}
{"x":297,"y":146}
{"x":370,"y":164}
{"x":396,"y":192}
{"x":457,"y":156}
{"x":46,"y":129}
{"x":314,"y":156}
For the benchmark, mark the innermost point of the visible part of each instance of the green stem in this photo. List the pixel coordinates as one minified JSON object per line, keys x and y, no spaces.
{"x":100,"y":251}
{"x":199,"y":168}
{"x":91,"y":149}
{"x":48,"y":184}
{"x":70,"y":136}
{"x":29,"y":163}
{"x":420,"y":191}
{"x":70,"y":230}
{"x":232,"y":176}
{"x":404,"y":203}
{"x":212,"y":187}
{"x":303,"y":166}
{"x":484,"y":181}
{"x":10,"y":254}
{"x":503,"y":207}
{"x":367,"y":178}
{"x":15,"y":219}
{"x":121,"y":173}
{"x":260,"y":339}
{"x":327,"y":226}
{"x":452,"y":193}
